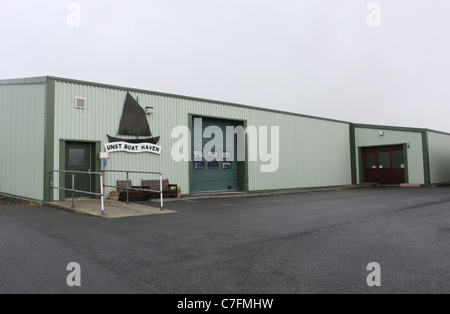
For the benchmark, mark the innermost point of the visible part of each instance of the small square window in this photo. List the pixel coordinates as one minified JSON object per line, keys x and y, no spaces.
{"x":398,"y":160}
{"x":80,"y":103}
{"x":77,"y":157}
{"x":199,"y":165}
{"x":213,"y":165}
{"x":227,"y":165}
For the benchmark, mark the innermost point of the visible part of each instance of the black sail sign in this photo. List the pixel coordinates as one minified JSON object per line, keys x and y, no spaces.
{"x":134,"y":120}
{"x":133,"y":123}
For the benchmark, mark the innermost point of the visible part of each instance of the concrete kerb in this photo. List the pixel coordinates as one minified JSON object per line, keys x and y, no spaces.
{"x":113,"y":209}
{"x":226,"y":195}
{"x":405,"y":185}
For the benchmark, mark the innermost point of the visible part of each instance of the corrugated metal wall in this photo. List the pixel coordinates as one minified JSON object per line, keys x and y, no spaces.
{"x":439,"y":149}
{"x":366,"y":137}
{"x":22,"y":110}
{"x":314,"y":152}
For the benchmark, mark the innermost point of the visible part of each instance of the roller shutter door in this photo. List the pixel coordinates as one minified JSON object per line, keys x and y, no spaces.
{"x":220,"y":173}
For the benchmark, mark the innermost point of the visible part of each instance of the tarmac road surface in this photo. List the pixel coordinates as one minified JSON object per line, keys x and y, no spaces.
{"x":318,"y":242}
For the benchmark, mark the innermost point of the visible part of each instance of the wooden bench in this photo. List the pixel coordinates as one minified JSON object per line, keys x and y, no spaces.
{"x":154,"y":185}
{"x":122,"y":189}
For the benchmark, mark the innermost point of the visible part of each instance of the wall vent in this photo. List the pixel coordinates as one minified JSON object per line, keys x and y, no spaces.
{"x":80,"y":103}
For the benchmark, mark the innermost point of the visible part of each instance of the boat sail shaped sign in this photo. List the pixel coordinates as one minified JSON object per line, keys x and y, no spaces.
{"x":133,"y":123}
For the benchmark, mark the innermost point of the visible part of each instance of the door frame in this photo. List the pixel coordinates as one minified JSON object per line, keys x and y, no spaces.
{"x":361,"y":159}
{"x":96,"y":163}
{"x":242,"y":165}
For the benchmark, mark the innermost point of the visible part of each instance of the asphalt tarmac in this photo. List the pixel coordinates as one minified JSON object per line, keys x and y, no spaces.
{"x":317,"y":242}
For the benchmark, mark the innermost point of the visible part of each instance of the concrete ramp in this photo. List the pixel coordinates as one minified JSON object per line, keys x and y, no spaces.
{"x":113,"y":210}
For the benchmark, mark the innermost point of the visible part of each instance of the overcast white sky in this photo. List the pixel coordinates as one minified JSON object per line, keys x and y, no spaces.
{"x":315,"y":57}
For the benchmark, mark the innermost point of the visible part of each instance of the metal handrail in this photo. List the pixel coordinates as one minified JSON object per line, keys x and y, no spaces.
{"x":130,"y":188}
{"x":129,"y":171}
{"x":103,"y":185}
{"x":101,"y":194}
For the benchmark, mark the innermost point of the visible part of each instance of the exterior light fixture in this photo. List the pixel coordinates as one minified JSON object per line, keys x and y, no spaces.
{"x":381,"y":133}
{"x":149,"y":110}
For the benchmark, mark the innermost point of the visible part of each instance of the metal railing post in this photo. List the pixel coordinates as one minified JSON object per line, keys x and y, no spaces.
{"x":90,"y":182}
{"x":73,"y":190}
{"x":102,"y":193}
{"x":128,"y":191}
{"x":162,"y":192}
{"x":51,"y":185}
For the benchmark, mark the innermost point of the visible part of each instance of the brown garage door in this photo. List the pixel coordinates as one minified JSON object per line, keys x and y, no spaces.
{"x":387,"y":164}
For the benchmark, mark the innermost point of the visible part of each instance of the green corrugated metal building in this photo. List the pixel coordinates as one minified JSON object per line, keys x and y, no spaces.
{"x":50,"y":123}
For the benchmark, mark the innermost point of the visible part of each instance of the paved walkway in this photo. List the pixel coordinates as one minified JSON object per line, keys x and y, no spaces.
{"x":92,"y":207}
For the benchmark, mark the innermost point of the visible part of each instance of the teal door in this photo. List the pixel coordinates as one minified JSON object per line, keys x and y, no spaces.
{"x":79,"y":158}
{"x":215,"y":168}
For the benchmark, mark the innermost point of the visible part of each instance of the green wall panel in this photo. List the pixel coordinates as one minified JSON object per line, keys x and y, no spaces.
{"x":439,"y":154}
{"x":22,"y":110}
